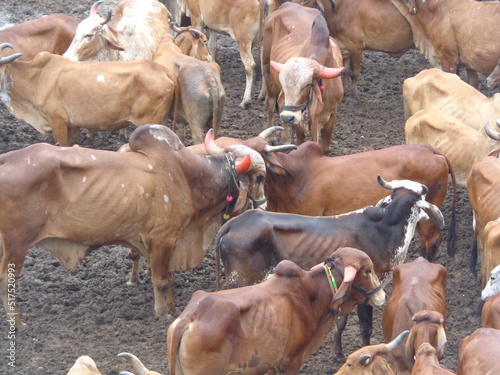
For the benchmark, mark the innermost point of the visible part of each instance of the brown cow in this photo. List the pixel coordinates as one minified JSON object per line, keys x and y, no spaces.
{"x":242,"y":20}
{"x":360,"y":25}
{"x":478,"y":353}
{"x":427,"y":362}
{"x":58,"y":96}
{"x":301,"y":73}
{"x":136,"y":364}
{"x":483,"y":184}
{"x":191,"y":42}
{"x":201,"y":94}
{"x":138,"y":27}
{"x":52,"y":33}
{"x":490,"y":314}
{"x":273,"y":326}
{"x":370,"y":360}
{"x":159,"y":198}
{"x":84,"y":365}
{"x":456,"y":33}
{"x":419,"y":285}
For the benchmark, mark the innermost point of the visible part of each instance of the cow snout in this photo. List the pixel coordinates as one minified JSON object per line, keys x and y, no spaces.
{"x":288,"y":119}
{"x":378,"y":298}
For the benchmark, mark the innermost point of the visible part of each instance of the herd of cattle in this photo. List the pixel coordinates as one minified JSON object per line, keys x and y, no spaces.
{"x":303,"y":238}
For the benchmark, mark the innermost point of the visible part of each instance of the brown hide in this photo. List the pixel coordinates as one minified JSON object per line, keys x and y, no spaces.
{"x":191,"y":42}
{"x":419,"y":285}
{"x":201,"y":93}
{"x":478,"y":352}
{"x":360,"y":25}
{"x":275,"y":325}
{"x":242,"y":20}
{"x":490,"y":314}
{"x":158,"y":197}
{"x":298,"y":38}
{"x":54,"y":94}
{"x":453,"y":33}
{"x":427,"y":362}
{"x":493,"y":80}
{"x":52,"y":33}
{"x":483,"y":184}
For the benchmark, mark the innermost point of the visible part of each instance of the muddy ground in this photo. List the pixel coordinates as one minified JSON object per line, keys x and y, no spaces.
{"x":93,"y":312}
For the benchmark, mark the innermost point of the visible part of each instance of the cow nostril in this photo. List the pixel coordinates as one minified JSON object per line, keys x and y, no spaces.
{"x":288,"y":119}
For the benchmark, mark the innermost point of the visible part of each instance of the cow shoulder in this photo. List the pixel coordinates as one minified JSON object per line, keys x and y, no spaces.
{"x":374,"y":213}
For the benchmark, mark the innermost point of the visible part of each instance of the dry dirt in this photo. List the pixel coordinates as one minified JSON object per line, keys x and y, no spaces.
{"x":93,"y":312}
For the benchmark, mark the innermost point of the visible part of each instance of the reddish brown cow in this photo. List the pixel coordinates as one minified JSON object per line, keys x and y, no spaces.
{"x":52,"y":33}
{"x":158,"y":197}
{"x":419,"y":285}
{"x":360,"y":25}
{"x":273,"y":326}
{"x":301,"y":73}
{"x":478,"y":353}
{"x":370,"y":360}
{"x":427,"y":362}
{"x":456,"y":33}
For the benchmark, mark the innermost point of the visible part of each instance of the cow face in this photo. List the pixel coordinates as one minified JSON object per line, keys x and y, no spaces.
{"x":493,"y":285}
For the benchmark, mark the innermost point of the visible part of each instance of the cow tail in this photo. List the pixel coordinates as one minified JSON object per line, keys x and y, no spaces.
{"x":473,"y":257}
{"x":218,"y":240}
{"x":177,"y":95}
{"x":218,"y":99}
{"x":451,"y":241}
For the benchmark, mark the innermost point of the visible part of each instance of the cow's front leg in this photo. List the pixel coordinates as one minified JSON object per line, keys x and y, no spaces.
{"x":337,"y":339}
{"x":365,"y":315}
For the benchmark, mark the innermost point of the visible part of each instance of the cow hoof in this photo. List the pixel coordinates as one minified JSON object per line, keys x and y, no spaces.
{"x":244,"y":105}
{"x":133,"y":282}
{"x":339,"y":358}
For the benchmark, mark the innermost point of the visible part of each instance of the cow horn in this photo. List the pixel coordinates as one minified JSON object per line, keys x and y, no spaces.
{"x":490,"y":132}
{"x":196,"y":33}
{"x":441,"y":338}
{"x":8,"y":59}
{"x":175,"y":27}
{"x":93,"y":9}
{"x":267,"y":132}
{"x":277,"y":66}
{"x":243,"y":165}
{"x":326,"y":73}
{"x":365,"y":359}
{"x":433,"y":212}
{"x":268,"y":148}
{"x":108,"y":17}
{"x":385,"y":184}
{"x":398,"y":340}
{"x":135,"y":363}
{"x":210,"y":146}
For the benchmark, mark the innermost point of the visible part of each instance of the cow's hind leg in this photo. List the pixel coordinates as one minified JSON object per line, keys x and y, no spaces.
{"x":365,"y":315}
{"x":245,"y":49}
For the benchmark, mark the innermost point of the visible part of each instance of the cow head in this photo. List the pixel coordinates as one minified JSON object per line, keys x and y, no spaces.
{"x":427,"y":327}
{"x":300,"y":80}
{"x":370,"y":359}
{"x":492,"y":133}
{"x":94,"y":38}
{"x":191,"y":42}
{"x":493,"y":285}
{"x":251,"y":172}
{"x":136,"y":364}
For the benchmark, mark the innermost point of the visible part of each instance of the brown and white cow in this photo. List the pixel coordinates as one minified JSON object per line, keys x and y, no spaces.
{"x":301,"y":73}
{"x":201,"y":94}
{"x":242,"y":20}
{"x":427,"y":362}
{"x":360,"y":25}
{"x":370,"y":360}
{"x":490,"y":314}
{"x":456,"y":33}
{"x":416,"y":286}
{"x":273,"y":326}
{"x":52,"y":33}
{"x":157,"y":197}
{"x":84,"y":365}
{"x":138,"y":27}
{"x":447,"y":113}
{"x":483,"y":184}
{"x":136,"y":364}
{"x":478,"y":353}
{"x":59,"y":96}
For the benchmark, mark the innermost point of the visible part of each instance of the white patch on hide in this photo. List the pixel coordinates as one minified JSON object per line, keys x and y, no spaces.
{"x":100,"y":78}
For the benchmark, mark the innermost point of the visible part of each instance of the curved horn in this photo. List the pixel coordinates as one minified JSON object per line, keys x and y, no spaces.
{"x":398,"y":340}
{"x":93,"y":9}
{"x":8,"y":59}
{"x":108,"y":17}
{"x":490,"y":132}
{"x":327,"y":73}
{"x":433,"y":212}
{"x":210,"y":146}
{"x":269,"y":148}
{"x":385,"y":184}
{"x":196,"y":33}
{"x":277,"y":66}
{"x":134,"y":362}
{"x":175,"y":27}
{"x":243,"y":165}
{"x":365,"y":359}
{"x":441,"y":338}
{"x":267,"y":132}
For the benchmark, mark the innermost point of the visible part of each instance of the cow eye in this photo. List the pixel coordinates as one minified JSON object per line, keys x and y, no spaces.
{"x":88,"y":36}
{"x":259,"y":179}
{"x":369,"y":271}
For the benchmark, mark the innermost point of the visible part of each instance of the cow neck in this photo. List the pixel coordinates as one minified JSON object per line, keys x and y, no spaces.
{"x":233,"y":185}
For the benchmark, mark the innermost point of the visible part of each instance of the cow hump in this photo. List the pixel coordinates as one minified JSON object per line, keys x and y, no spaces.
{"x":150,"y":137}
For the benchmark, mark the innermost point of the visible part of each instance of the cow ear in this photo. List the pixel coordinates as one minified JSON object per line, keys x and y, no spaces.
{"x":110,"y":38}
{"x":276,"y":66}
{"x":340,"y":296}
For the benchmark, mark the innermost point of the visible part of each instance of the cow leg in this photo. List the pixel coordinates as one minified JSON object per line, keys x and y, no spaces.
{"x":472,"y":78}
{"x":163,"y":280}
{"x":60,"y":131}
{"x":326,"y":133}
{"x":337,"y":339}
{"x":245,"y":49}
{"x":135,"y":256}
{"x":354,"y":72}
{"x":365,"y":316}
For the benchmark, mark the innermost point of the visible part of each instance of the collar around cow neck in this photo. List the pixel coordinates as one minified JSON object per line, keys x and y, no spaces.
{"x":233,"y":185}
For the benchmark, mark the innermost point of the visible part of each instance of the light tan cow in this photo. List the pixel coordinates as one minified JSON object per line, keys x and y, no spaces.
{"x":427,"y":362}
{"x":493,"y":80}
{"x":242,"y":20}
{"x":191,"y":42}
{"x":136,"y":364}
{"x":447,"y":113}
{"x":478,"y":353}
{"x":84,"y":365}
{"x":59,"y":96}
{"x":201,"y":94}
{"x":456,"y":33}
{"x":156,"y":196}
{"x":138,"y":27}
